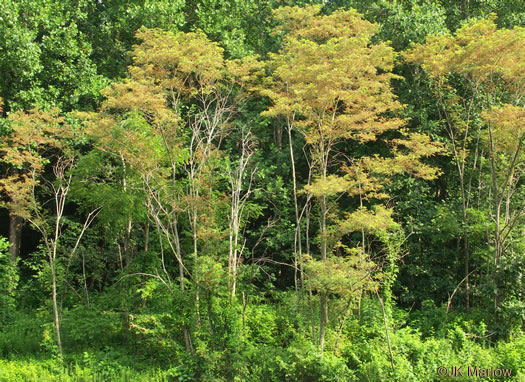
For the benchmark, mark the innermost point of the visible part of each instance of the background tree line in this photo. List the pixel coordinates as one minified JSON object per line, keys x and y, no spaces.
{"x":261,"y":190}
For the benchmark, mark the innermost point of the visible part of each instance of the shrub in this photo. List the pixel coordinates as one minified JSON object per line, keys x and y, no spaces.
{"x":8,"y":281}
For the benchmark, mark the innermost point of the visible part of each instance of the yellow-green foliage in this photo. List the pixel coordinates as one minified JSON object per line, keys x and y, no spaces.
{"x":51,"y":371}
{"x":344,"y":276}
{"x":478,"y":49}
{"x":32,"y":135}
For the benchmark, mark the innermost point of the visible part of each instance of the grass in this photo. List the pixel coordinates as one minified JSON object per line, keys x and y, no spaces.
{"x":34,"y":370}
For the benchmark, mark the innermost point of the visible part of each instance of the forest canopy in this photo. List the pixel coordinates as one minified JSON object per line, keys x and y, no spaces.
{"x":261,"y":190}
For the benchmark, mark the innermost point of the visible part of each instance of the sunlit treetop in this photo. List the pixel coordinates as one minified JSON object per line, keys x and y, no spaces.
{"x":308,"y":23}
{"x":330,"y":78}
{"x":173,"y":74}
{"x":171,"y":58}
{"x":32,"y":138}
{"x":478,"y":50}
{"x":185,"y":63}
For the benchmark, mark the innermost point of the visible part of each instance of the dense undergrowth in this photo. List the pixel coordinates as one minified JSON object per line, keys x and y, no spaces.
{"x":262,"y":342}
{"x":292,"y":190}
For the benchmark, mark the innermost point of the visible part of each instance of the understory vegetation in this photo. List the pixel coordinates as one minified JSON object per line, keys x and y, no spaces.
{"x":262,"y":190}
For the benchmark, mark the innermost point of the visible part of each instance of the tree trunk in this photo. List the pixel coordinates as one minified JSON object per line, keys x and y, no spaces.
{"x":278,"y":135}
{"x":467,"y":272}
{"x":323,"y":300}
{"x":55,"y":305}
{"x":298,"y":255}
{"x":15,"y":235}
{"x":127,"y":240}
{"x":323,"y":320}
{"x":312,"y":319}
{"x":187,"y":338}
{"x":386,"y":332}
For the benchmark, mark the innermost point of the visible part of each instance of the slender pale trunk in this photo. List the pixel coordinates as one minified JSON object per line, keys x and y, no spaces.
{"x":127,"y":236}
{"x":297,"y":236}
{"x":52,"y":257}
{"x":55,"y":308}
{"x":323,"y":228}
{"x":193,"y":222}
{"x":323,"y":295}
{"x":174,"y":222}
{"x":467,"y":272}
{"x":127,"y":240}
{"x":312,"y":317}
{"x":232,"y":258}
{"x":232,"y":261}
{"x":278,"y":135}
{"x":193,"y":209}
{"x":187,"y":337}
{"x":386,"y":332}
{"x":238,"y":200}
{"x":307,"y":227}
{"x":497,"y":205}
{"x":55,"y":305}
{"x":363,"y":239}
{"x":324,"y":319}
{"x":235,"y":257}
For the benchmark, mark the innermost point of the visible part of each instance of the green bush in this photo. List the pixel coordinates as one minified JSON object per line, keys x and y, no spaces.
{"x":90,"y":327}
{"x":22,"y":334}
{"x":8,"y":281}
{"x":417,"y":359}
{"x":33,"y":370}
